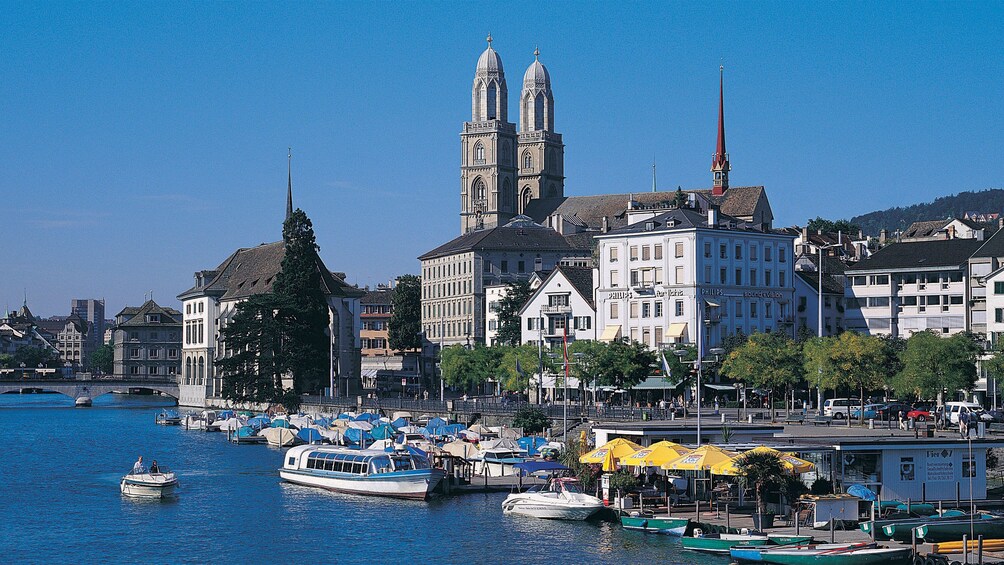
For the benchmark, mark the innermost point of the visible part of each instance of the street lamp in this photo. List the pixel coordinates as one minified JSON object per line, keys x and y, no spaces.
{"x":819,"y":320}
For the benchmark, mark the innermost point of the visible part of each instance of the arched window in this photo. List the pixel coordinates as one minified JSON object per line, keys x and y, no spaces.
{"x":525,"y":197}
{"x":538,"y":111}
{"x":492,"y":96}
{"x":201,"y":377}
{"x":527,"y":160}
{"x":188,"y":371}
{"x":479,"y":153}
{"x":478,"y":193}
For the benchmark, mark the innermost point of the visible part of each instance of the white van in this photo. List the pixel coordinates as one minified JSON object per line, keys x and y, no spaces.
{"x":838,"y":408}
{"x":953,"y":409}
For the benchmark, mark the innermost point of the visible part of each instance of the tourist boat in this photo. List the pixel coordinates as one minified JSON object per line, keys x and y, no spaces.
{"x":498,"y":462}
{"x":823,"y":554}
{"x":168,"y":418}
{"x":161,"y":484}
{"x":724,"y":542}
{"x":665,"y":524}
{"x":400,"y":474}
{"x":989,"y":527}
{"x":558,"y":499}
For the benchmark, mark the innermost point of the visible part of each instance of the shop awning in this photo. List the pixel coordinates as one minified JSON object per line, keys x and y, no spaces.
{"x":611,"y":333}
{"x":712,"y":303}
{"x":677,"y":330}
{"x":719,"y":387}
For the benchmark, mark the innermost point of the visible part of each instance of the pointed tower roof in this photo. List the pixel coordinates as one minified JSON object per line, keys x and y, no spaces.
{"x":289,"y":183}
{"x":720,"y":162}
{"x":489,"y":63}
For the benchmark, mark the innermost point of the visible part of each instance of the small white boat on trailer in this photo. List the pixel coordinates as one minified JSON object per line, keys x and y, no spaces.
{"x":398,"y":474}
{"x":161,"y":484}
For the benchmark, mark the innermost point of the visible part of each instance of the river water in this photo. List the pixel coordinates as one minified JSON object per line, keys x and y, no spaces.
{"x":61,"y":504}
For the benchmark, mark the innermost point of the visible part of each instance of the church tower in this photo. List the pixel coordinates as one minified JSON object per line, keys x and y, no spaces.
{"x":488,"y":150}
{"x":541,"y":154}
{"x":720,"y":163}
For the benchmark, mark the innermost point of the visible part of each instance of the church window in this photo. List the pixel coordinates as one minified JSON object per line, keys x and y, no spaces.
{"x":492,"y":96}
{"x":538,"y":111}
{"x":479,"y":153}
{"x":527,"y":160}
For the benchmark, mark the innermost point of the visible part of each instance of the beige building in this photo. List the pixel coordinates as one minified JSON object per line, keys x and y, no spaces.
{"x":147,"y":342}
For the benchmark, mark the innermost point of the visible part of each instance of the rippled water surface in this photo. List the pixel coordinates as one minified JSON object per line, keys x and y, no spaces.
{"x":60,"y":503}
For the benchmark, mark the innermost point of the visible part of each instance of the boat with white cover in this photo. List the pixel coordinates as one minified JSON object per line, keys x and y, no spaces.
{"x":145,"y":484}
{"x":558,"y":499}
{"x":399,"y":474}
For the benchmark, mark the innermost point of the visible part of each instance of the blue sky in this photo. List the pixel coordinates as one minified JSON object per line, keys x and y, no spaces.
{"x":144,"y":141}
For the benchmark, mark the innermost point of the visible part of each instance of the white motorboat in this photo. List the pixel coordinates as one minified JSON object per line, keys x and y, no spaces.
{"x":558,"y":499}
{"x":161,"y":484}
{"x":399,"y":474}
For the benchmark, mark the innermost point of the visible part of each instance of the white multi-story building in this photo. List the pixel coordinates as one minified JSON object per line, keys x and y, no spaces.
{"x":561,"y":306}
{"x":909,"y":287}
{"x":680,"y":276}
{"x":994,"y":283}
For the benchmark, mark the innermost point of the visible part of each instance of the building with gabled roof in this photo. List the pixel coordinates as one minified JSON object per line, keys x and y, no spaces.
{"x":562,"y":307}
{"x":949,"y":228}
{"x":147,"y":342}
{"x":213,"y":300}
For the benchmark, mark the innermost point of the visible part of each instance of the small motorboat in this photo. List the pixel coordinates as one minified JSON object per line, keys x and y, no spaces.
{"x":145,"y":484}
{"x":830,"y":554}
{"x":655,"y":524}
{"x":723,"y":542}
{"x":168,"y":418}
{"x":558,"y":499}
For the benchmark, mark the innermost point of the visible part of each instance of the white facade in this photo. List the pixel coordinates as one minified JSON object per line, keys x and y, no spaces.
{"x":900,"y":302}
{"x":559,"y":306}
{"x":995,"y":305}
{"x":664,"y":278}
{"x":493,"y":297}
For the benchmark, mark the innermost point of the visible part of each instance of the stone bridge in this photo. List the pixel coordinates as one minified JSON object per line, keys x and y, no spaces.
{"x":93,"y":388}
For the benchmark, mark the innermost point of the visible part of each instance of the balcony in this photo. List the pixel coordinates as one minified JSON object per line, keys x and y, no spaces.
{"x":555,"y":309}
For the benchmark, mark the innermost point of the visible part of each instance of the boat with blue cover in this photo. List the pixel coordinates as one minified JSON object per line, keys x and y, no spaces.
{"x":400,"y":473}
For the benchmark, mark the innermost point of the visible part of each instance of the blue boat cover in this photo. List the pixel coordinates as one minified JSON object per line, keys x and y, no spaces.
{"x":436,"y":423}
{"x":862,"y":492}
{"x":309,"y":435}
{"x":280,"y":423}
{"x":344,"y":416}
{"x":355,"y":435}
{"x":367,"y":417}
{"x":246,"y":431}
{"x":382,"y":431}
{"x":531,"y":443}
{"x":399,"y":423}
{"x":530,"y":467}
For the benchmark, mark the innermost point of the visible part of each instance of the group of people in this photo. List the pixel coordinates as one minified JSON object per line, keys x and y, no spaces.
{"x":138,"y":468}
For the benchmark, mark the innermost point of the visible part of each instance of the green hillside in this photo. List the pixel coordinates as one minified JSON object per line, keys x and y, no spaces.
{"x":955,"y":206}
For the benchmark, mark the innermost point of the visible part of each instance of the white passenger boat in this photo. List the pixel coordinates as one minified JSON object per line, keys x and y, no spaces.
{"x":400,"y":474}
{"x":161,"y":484}
{"x":558,"y":499}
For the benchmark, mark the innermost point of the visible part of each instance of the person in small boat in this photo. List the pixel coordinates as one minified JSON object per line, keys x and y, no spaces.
{"x":138,"y":468}
{"x":154,"y":468}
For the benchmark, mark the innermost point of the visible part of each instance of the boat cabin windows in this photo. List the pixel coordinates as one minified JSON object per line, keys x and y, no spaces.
{"x":340,"y":462}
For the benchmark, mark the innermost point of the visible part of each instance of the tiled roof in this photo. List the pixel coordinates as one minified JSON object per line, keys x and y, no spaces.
{"x":919,"y":255}
{"x":138,"y":318}
{"x":379,"y":296}
{"x":740,"y":201}
{"x":680,"y":218}
{"x":830,"y":284}
{"x":582,"y":279}
{"x":250,"y":271}
{"x":518,"y":235}
{"x":993,"y":247}
{"x":925,"y":228}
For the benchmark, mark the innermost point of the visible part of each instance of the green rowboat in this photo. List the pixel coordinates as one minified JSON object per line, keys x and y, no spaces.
{"x":666,"y":525}
{"x":722,"y":543}
{"x":821,"y":555}
{"x":989,"y":528}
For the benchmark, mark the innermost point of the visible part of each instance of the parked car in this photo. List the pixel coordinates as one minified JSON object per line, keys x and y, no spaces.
{"x":974,"y":409}
{"x":920,"y":415}
{"x":891,"y":411}
{"x":838,"y":407}
{"x":871,"y":411}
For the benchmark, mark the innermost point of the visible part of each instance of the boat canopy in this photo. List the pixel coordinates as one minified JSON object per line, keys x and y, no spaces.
{"x":382,"y":431}
{"x":310,"y":435}
{"x":399,"y":423}
{"x":436,"y":423}
{"x":531,"y":467}
{"x":531,"y":443}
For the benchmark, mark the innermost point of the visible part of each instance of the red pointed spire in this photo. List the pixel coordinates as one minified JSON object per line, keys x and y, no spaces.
{"x":720,"y":162}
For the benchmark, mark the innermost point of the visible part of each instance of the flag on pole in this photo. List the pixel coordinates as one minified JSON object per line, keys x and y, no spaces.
{"x":519,"y":369}
{"x":665,"y":365}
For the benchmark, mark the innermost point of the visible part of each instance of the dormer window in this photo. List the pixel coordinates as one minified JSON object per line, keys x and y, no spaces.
{"x":153,"y":318}
{"x":649,"y":226}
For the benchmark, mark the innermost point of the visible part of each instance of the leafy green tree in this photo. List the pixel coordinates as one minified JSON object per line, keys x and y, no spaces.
{"x":818,"y":367}
{"x":33,"y":356}
{"x":470,"y":368}
{"x":510,"y":331}
{"x":569,"y":457}
{"x":767,"y":361}
{"x":932,"y":363}
{"x":623,"y":364}
{"x":830,"y":226}
{"x":761,"y":470}
{"x":6,"y":361}
{"x":406,"y":319}
{"x":103,"y":359}
{"x":252,"y":370}
{"x":860,"y":362}
{"x":734,"y":340}
{"x":305,"y":346}
{"x":533,"y":420}
{"x":528,"y":358}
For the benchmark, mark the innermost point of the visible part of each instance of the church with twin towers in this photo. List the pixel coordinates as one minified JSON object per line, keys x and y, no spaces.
{"x":504,"y":168}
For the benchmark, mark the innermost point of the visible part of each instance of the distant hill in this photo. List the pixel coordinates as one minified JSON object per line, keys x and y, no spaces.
{"x":955,"y":206}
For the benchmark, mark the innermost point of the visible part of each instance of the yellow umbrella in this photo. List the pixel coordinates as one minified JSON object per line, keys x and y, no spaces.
{"x":620,"y":447}
{"x":655,"y":455}
{"x":700,"y":459}
{"x":790,"y":462}
{"x":609,"y":464}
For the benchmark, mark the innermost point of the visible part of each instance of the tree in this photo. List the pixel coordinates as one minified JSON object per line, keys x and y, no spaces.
{"x":765,"y":361}
{"x":252,"y":369}
{"x":533,"y":420}
{"x":818,"y":367}
{"x":859,"y":360}
{"x":932,"y":364}
{"x":994,"y":366}
{"x":830,"y":226}
{"x":761,"y":469}
{"x":734,"y":340}
{"x":33,"y":356}
{"x":406,"y":318}
{"x":510,"y":330}
{"x":527,"y":356}
{"x":618,"y":364}
{"x":680,"y":367}
{"x":470,"y":368}
{"x":305,"y":346}
{"x":103,"y":359}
